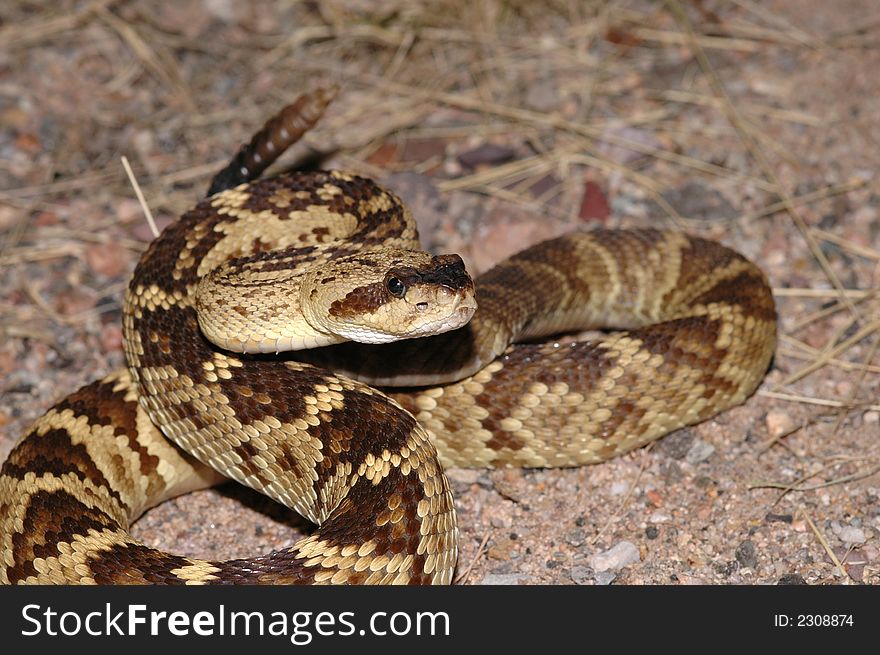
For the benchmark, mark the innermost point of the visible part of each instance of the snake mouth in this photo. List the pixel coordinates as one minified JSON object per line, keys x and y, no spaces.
{"x":436,"y":309}
{"x":465,"y":305}
{"x":463,"y":308}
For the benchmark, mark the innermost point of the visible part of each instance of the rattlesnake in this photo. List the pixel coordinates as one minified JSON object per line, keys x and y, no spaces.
{"x":694,"y":333}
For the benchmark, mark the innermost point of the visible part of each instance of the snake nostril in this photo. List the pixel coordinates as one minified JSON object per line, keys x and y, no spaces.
{"x":421,"y":306}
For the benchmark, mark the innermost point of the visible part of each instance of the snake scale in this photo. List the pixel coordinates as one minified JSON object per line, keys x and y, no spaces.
{"x":693,"y":331}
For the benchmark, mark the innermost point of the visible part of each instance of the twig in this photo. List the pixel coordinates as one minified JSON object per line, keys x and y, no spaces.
{"x":857,"y":386}
{"x":480,"y":549}
{"x":803,"y":292}
{"x":629,"y":492}
{"x":829,"y":353}
{"x":140,"y":196}
{"x":824,"y":543}
{"x":807,"y":400}
{"x":818,"y":194}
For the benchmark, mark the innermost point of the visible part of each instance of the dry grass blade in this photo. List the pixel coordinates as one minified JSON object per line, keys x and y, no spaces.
{"x":829,"y":353}
{"x":38,"y":254}
{"x":711,"y":42}
{"x":140,"y":196}
{"x":807,"y":198}
{"x":859,"y":35}
{"x":463,"y":578}
{"x":858,"y":475}
{"x":857,"y":294}
{"x":807,"y":400}
{"x":801,"y":118}
{"x":788,"y":487}
{"x":17,"y":35}
{"x":160,"y":64}
{"x":830,"y":310}
{"x":809,"y":354}
{"x":794,"y":430}
{"x":626,"y":498}
{"x":793,"y":31}
{"x":798,"y":485}
{"x":62,"y":186}
{"x":825,"y":545}
{"x":609,"y":166}
{"x":860,"y":380}
{"x":846,"y":244}
{"x":514,"y":170}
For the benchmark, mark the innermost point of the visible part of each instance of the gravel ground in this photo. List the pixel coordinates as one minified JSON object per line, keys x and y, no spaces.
{"x":500,"y":124}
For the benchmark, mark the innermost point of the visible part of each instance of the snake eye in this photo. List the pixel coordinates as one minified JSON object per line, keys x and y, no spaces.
{"x":395,"y":287}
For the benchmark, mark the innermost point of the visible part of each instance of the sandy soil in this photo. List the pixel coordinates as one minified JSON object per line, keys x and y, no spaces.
{"x":500,"y":124}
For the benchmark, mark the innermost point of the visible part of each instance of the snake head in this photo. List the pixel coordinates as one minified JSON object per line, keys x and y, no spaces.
{"x":394,"y":295}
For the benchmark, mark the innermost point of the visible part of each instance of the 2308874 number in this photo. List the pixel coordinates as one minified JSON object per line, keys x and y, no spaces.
{"x":824,"y":620}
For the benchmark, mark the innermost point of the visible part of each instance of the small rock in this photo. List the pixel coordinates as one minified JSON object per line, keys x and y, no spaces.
{"x":542,"y":96}
{"x":498,"y":553}
{"x":778,"y":423}
{"x":75,"y":301}
{"x":671,"y":472}
{"x":423,"y":150}
{"x":581,"y":574}
{"x":854,"y":561}
{"x":852,"y":535}
{"x":501,"y":579}
{"x":7,"y":363}
{"x":691,"y":580}
{"x":605,"y":577}
{"x":45,"y":218}
{"x":463,"y":476}
{"x":676,"y":445}
{"x":654,"y":497}
{"x":575,"y":537}
{"x":746,"y":555}
{"x":618,"y":556}
{"x":871,"y":418}
{"x":486,"y":154}
{"x":726,"y":569}
{"x":615,"y":148}
{"x":111,"y":337}
{"x":618,"y":488}
{"x":189,"y":17}
{"x":544,"y":185}
{"x":696,"y":200}
{"x":106,"y":259}
{"x":385,"y":155}
{"x":699,"y":451}
{"x":500,"y":522}
{"x":791,"y":578}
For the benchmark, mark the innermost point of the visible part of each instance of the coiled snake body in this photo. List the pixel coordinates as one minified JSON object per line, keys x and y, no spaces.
{"x":695,"y":331}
